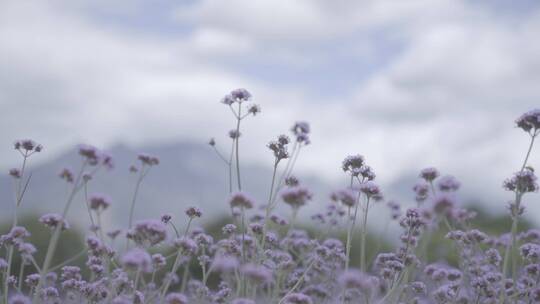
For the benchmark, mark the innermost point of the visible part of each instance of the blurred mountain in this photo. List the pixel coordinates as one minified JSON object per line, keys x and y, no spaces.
{"x":189,"y":174}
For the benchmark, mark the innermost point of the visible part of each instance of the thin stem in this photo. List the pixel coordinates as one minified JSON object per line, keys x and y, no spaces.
{"x":298,"y":282}
{"x":237,"y":147}
{"x":21,"y":274}
{"x":56,"y":234}
{"x":230,"y":166}
{"x":66,"y":262}
{"x":134,"y":199}
{"x":348,"y":245}
{"x":268,"y":206}
{"x":363,"y":238}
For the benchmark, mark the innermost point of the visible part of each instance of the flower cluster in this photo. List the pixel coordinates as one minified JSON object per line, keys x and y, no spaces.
{"x":262,"y":257}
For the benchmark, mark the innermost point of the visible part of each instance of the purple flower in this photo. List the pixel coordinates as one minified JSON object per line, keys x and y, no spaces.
{"x":370,"y":189}
{"x":301,"y":131}
{"x":137,"y":260}
{"x":193,"y":212}
{"x":176,"y":298}
{"x":187,"y":245}
{"x":148,"y":160}
{"x":241,"y":200}
{"x":443,"y":203}
{"x":148,"y":231}
{"x":166,"y":218}
{"x":90,"y":153}
{"x":19,"y":299}
{"x":429,"y":174}
{"x":15,"y":173}
{"x":234,"y":134}
{"x":529,"y":121}
{"x":254,"y":109}
{"x":52,"y":220}
{"x":353,"y":164}
{"x":257,"y":273}
{"x":355,"y":279}
{"x":346,"y":196}
{"x":225,"y":264}
{"x":99,"y":202}
{"x":240,"y":95}
{"x":522,"y":181}
{"x":297,"y":298}
{"x":296,"y":197}
{"x":66,"y":175}
{"x":27,"y":145}
{"x":448,"y":183}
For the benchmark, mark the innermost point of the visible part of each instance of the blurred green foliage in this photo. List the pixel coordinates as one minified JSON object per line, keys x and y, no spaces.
{"x":71,"y":243}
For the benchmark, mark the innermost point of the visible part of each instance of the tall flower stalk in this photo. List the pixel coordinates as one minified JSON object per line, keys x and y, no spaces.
{"x":522,"y":182}
{"x":26,"y":148}
{"x":147,"y":162}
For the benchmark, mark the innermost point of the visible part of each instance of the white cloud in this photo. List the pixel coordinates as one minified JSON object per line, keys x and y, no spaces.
{"x":450,"y":78}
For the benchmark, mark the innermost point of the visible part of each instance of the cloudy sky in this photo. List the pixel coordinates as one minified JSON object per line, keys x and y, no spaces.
{"x":408,"y":84}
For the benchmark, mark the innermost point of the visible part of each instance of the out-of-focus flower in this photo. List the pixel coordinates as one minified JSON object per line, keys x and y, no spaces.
{"x":529,"y":121}
{"x":241,"y":200}
{"x":52,"y":220}
{"x":296,"y":197}
{"x":193,"y":212}
{"x":99,"y":202}
{"x":137,"y":260}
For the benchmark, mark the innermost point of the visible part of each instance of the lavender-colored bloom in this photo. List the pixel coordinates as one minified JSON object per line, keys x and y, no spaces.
{"x":422,"y":190}
{"x":297,"y":298}
{"x":292,"y":181}
{"x":99,"y":202}
{"x":240,"y":95}
{"x":429,"y":174}
{"x":241,"y":200}
{"x":254,"y":109}
{"x":354,"y":279}
{"x":150,"y":231}
{"x":346,"y":196}
{"x":370,"y":189}
{"x":137,"y":260}
{"x":443,"y":203}
{"x":19,"y":299}
{"x":228,"y":229}
{"x":234,"y":134}
{"x":448,"y":183}
{"x":52,"y":220}
{"x":193,"y":212}
{"x":27,"y":145}
{"x":90,"y":153}
{"x":296,"y":197}
{"x":301,"y":131}
{"x":187,"y":245}
{"x":353,"y":164}
{"x":176,"y":298}
{"x":225,"y":264}
{"x":15,"y":173}
{"x":529,"y":121}
{"x":228,"y":100}
{"x":522,"y":181}
{"x":166,"y":218}
{"x":66,"y":175}
{"x":148,"y":160}
{"x":257,"y":273}
{"x":158,"y":260}
{"x":26,"y":250}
